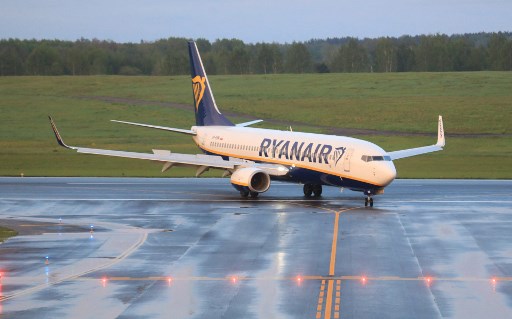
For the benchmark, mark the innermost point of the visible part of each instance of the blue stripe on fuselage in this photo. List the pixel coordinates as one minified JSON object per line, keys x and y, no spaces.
{"x":304,"y":176}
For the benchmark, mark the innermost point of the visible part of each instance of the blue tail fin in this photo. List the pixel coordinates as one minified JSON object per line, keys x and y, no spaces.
{"x":206,"y":110}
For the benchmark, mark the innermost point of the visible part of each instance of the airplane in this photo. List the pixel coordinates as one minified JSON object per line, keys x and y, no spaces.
{"x":253,"y":157}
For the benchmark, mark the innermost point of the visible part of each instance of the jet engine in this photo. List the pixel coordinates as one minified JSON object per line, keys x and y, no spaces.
{"x":253,"y":178}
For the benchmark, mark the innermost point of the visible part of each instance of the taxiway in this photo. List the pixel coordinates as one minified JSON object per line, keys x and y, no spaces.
{"x":191,"y":248}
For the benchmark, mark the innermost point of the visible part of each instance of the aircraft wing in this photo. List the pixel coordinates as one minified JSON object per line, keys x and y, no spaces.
{"x":201,"y":161}
{"x":423,"y":150}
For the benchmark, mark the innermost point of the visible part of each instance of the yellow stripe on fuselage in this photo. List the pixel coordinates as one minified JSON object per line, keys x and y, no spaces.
{"x":276,"y":161}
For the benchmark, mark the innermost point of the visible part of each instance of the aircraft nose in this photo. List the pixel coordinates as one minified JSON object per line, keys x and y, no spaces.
{"x":389,"y":173}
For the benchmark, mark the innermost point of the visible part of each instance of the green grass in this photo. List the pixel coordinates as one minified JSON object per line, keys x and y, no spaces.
{"x":5,"y":233}
{"x":482,"y":158}
{"x":471,"y":103}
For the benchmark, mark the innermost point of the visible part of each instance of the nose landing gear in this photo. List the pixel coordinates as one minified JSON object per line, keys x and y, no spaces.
{"x":368,"y":201}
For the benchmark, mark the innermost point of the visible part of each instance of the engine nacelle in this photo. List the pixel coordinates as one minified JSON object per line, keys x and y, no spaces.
{"x":253,"y":178}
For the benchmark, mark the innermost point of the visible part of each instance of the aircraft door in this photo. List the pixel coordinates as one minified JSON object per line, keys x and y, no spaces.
{"x":346,"y":160}
{"x":204,"y":138}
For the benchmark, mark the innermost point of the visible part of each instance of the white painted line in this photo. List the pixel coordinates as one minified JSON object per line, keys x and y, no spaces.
{"x":248,"y":201}
{"x":172,"y":183}
{"x":142,"y":183}
{"x":455,"y":201}
{"x":143,"y":235}
{"x":383,"y":203}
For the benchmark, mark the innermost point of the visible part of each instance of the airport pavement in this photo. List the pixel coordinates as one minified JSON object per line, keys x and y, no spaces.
{"x":191,"y":248}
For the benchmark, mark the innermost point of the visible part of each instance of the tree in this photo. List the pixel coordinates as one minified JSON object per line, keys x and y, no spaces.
{"x":386,"y":56}
{"x":432,"y":54}
{"x":351,"y":57}
{"x":268,"y":58}
{"x":11,"y":58}
{"x":44,"y":60}
{"x":500,"y":52}
{"x":405,"y":57}
{"x":298,"y":59}
{"x":460,"y":51}
{"x":439,"y":52}
{"x":239,"y":59}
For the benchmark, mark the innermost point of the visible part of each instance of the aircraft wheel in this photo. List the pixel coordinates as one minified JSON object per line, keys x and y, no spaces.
{"x":244,"y":193}
{"x":308,"y":190}
{"x":317,"y":190}
{"x":254,"y":194}
{"x":371,"y":202}
{"x":366,"y":202}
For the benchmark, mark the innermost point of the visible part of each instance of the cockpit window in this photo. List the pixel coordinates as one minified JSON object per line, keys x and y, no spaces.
{"x":368,"y":158}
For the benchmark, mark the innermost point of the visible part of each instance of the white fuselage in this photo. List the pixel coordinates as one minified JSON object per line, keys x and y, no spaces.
{"x":343,"y":157}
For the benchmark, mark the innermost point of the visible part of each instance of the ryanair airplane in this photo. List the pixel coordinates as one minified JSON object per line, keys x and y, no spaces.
{"x":252,"y":157}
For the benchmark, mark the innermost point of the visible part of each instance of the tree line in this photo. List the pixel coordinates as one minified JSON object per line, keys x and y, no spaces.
{"x":432,"y":53}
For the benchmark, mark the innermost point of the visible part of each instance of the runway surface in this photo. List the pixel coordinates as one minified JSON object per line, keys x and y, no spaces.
{"x":191,"y":248}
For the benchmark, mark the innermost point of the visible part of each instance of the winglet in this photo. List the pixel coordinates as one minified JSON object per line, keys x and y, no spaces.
{"x":57,"y":135}
{"x":440,"y":133}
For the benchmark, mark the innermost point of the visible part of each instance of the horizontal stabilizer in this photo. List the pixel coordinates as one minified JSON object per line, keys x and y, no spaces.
{"x":248,"y":123}
{"x":177,"y":130}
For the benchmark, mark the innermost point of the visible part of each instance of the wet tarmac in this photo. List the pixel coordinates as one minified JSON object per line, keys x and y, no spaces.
{"x":191,"y":248}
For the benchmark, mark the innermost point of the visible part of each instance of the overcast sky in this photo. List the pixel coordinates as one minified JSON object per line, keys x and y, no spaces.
{"x":251,"y":21}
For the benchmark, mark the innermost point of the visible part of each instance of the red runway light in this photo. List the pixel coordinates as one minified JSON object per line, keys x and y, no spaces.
{"x":363,"y":280}
{"x":494,"y":281}
{"x":169,"y":280}
{"x":104,"y":281}
{"x":233,"y":279}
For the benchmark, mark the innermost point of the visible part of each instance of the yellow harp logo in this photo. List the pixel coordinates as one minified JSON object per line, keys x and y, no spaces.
{"x":198,"y":86}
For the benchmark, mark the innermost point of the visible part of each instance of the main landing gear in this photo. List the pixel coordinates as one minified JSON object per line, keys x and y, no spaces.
{"x":368,"y":201}
{"x":246,"y":193}
{"x":312,"y":190}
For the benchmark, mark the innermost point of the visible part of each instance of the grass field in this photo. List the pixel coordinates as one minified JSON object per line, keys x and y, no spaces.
{"x":477,"y":111}
{"x":5,"y":233}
